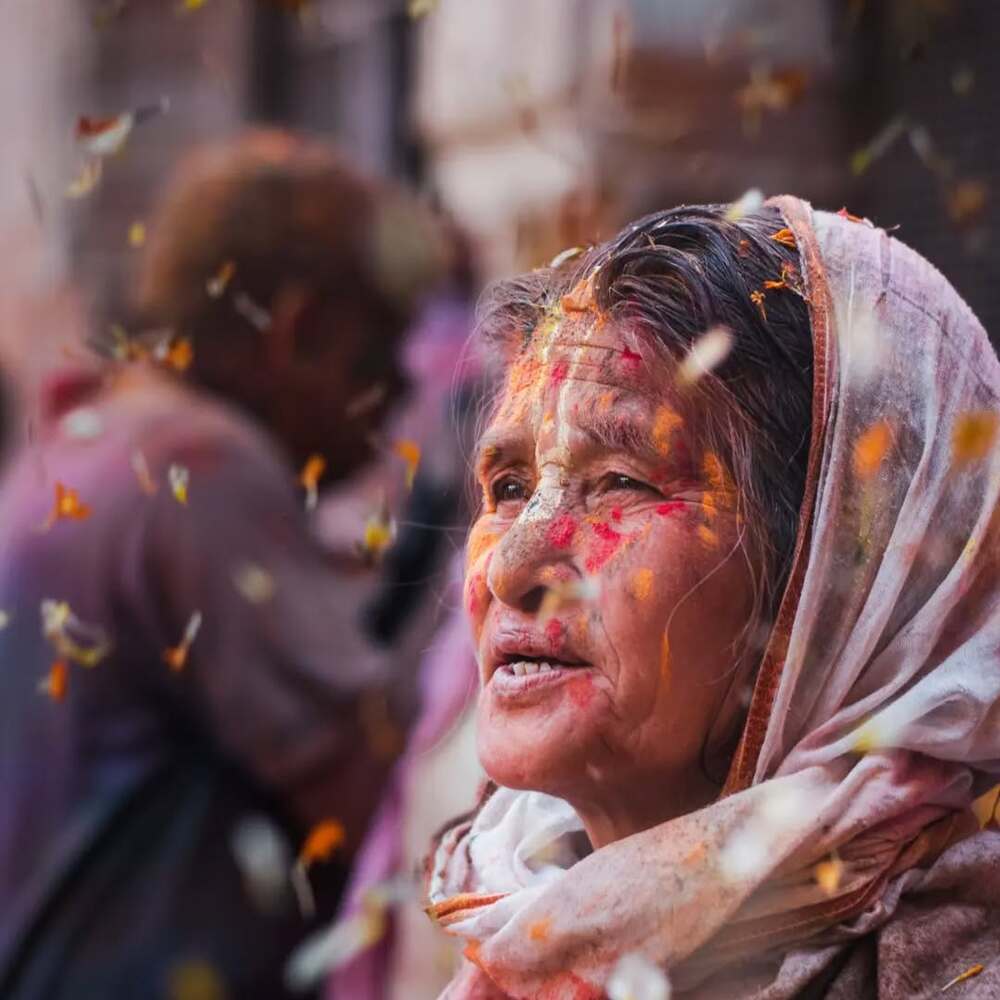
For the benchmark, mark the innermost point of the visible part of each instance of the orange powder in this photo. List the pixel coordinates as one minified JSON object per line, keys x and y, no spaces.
{"x":539,"y":930}
{"x":641,"y":584}
{"x":665,"y":423}
{"x":870,"y":449}
{"x":665,"y":659}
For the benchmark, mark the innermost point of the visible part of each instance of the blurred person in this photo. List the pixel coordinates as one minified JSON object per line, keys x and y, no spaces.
{"x":198,"y":694}
{"x":734,"y":596}
{"x":446,"y":377}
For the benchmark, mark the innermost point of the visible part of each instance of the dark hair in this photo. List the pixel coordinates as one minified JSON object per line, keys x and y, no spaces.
{"x":673,"y":275}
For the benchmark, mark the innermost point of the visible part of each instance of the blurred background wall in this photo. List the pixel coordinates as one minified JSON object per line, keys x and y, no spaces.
{"x":538,"y":125}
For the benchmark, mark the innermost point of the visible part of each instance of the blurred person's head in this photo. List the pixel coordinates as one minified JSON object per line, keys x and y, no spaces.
{"x":294,"y":276}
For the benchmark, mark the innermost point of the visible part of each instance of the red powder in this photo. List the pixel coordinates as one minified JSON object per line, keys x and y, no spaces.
{"x":630,"y":359}
{"x":561,"y":531}
{"x":554,"y":633}
{"x":581,"y":691}
{"x":672,"y":507}
{"x":559,"y":372}
{"x":604,"y":548}
{"x":616,"y":514}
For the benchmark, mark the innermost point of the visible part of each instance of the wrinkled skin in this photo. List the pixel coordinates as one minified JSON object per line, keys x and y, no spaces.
{"x":588,"y":474}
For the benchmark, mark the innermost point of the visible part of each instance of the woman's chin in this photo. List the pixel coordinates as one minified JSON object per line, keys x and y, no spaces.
{"x":539,"y":743}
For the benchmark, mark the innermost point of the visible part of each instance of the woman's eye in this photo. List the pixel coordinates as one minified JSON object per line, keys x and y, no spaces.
{"x":509,"y":489}
{"x":619,"y":481}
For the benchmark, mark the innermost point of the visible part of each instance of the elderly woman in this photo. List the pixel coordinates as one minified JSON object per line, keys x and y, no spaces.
{"x":734,"y":594}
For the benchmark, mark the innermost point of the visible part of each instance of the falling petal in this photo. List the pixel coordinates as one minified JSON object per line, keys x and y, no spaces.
{"x":67,"y":506}
{"x":180,"y":354}
{"x":72,"y":638}
{"x":323,"y":839}
{"x":4,"y":619}
{"x":705,"y":354}
{"x":86,"y":181}
{"x":966,"y":201}
{"x":195,"y":979}
{"x":757,"y":298}
{"x":784,"y":236}
{"x":254,"y":583}
{"x":987,"y":807}
{"x":219,"y":282}
{"x":334,"y":947}
{"x":136,"y":234}
{"x":379,"y":534}
{"x":141,"y":470}
{"x":883,"y":141}
{"x":828,"y":875}
{"x":310,"y":476}
{"x":84,"y":424}
{"x":178,"y":476}
{"x":963,"y":80}
{"x":969,"y":973}
{"x":420,"y":8}
{"x":263,"y":858}
{"x":257,"y":316}
{"x":844,"y":214}
{"x":176,"y":656}
{"x":570,"y":253}
{"x":365,"y":402}
{"x":559,"y":594}
{"x":635,"y":977}
{"x":107,"y":136}
{"x":104,"y":136}
{"x":56,"y":681}
{"x":747,"y":202}
{"x":409,"y":452}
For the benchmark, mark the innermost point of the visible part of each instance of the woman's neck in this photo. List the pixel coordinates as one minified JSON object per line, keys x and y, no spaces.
{"x":618,"y":813}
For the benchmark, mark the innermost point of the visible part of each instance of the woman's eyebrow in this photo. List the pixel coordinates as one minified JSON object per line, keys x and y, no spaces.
{"x":619,"y":434}
{"x":495,"y":448}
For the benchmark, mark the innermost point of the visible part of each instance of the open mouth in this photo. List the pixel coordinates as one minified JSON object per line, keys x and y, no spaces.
{"x":523,"y":665}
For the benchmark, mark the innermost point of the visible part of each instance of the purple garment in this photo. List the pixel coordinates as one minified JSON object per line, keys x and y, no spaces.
{"x":448,"y":680}
{"x":117,"y":806}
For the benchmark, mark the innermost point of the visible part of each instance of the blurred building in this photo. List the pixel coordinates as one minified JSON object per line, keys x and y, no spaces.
{"x":551,"y":124}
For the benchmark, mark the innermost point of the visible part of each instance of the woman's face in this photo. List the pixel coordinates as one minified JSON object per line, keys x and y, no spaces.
{"x":605,"y":583}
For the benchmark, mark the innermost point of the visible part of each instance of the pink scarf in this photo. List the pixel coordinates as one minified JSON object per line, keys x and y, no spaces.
{"x":875,"y":719}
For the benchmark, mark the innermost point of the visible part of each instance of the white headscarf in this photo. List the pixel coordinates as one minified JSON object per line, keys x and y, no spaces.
{"x":875,"y":718}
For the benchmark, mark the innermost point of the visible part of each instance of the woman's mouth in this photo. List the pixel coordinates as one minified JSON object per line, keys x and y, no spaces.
{"x":523,"y":677}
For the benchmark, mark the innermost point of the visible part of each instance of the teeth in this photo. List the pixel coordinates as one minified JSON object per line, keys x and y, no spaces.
{"x":526,"y":668}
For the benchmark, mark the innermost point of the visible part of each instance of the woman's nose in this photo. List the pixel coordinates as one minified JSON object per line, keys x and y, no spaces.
{"x":525,"y":563}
